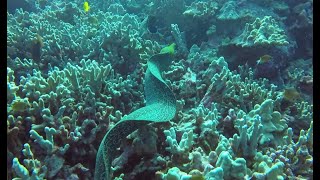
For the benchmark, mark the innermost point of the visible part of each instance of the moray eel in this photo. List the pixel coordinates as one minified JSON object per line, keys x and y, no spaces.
{"x":160,"y":107}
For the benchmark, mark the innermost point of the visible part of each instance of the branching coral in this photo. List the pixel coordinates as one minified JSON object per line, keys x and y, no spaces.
{"x":291,"y":160}
{"x":231,"y":168}
{"x":265,"y":169}
{"x":230,"y":89}
{"x":12,"y":88}
{"x":180,"y":39}
{"x":30,"y":164}
{"x":265,"y":32}
{"x":304,"y":112}
{"x":207,"y":121}
{"x":120,"y":38}
{"x":228,"y":11}
{"x":62,"y":102}
{"x":184,"y":145}
{"x":272,"y":123}
{"x":246,"y":144}
{"x":201,"y":9}
{"x":123,"y":42}
{"x":72,"y":75}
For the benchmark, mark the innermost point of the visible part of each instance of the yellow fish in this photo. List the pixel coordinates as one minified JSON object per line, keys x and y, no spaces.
{"x":291,"y":94}
{"x":168,"y":49}
{"x":86,"y":6}
{"x":19,"y":106}
{"x":264,"y":59}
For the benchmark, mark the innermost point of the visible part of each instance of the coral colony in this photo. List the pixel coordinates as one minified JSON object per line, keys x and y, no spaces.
{"x":160,"y":90}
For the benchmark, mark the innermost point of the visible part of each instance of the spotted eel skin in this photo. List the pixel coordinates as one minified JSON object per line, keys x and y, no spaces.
{"x":160,"y":107}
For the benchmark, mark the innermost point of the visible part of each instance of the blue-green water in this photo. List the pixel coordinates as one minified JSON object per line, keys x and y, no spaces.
{"x":227,"y":85}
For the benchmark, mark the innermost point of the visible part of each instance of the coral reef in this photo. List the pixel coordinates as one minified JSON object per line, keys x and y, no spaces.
{"x":231,"y":82}
{"x":264,"y":32}
{"x":201,"y":9}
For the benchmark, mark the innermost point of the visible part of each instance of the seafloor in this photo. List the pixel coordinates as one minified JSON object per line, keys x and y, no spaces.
{"x":190,"y":90}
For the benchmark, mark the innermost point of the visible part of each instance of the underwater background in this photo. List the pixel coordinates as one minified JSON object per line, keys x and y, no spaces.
{"x":160,"y":89}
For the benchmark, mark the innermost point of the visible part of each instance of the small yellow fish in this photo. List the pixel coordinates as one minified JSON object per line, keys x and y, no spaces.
{"x":86,"y":6}
{"x":265,"y":58}
{"x":19,"y":106}
{"x":168,"y":49}
{"x":291,"y":94}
